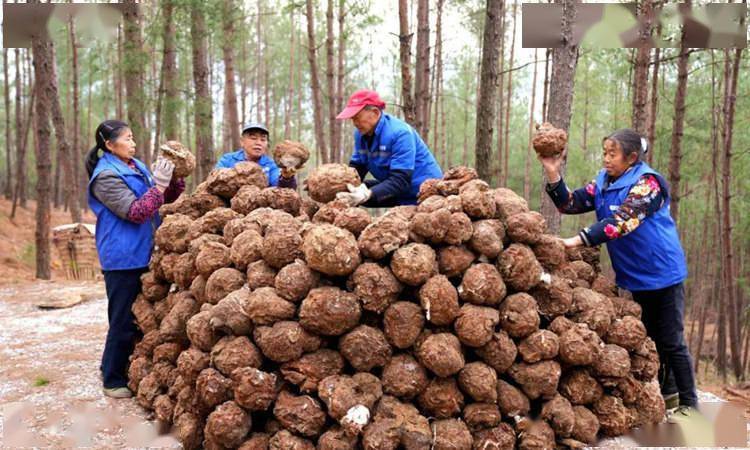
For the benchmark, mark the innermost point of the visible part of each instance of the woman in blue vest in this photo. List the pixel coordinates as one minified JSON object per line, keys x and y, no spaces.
{"x":125,"y":196}
{"x":631,"y":201}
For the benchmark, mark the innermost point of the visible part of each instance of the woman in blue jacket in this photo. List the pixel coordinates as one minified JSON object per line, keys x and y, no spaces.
{"x":125,"y":196}
{"x":631,"y":201}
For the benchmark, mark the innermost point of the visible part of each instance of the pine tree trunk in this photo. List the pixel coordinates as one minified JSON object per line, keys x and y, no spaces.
{"x":76,"y":126}
{"x":171,"y":100}
{"x":19,"y":196}
{"x":204,"y":142}
{"x":227,"y":46}
{"x":135,"y":62}
{"x":320,"y":140}
{"x":678,"y":126}
{"x":437,"y":149}
{"x":728,"y":279}
{"x":290,"y":89}
{"x":260,"y":59}
{"x":501,"y":100}
{"x":422,"y":69}
{"x":487,"y":89}
{"x":330,"y":84}
{"x":43,"y":63}
{"x":407,"y":99}
{"x":509,"y":101}
{"x":564,"y":60}
{"x":8,"y":188}
{"x":527,"y":167}
{"x":118,"y":74}
{"x":65,"y":159}
{"x":545,"y":94}
{"x":640,"y":75}
{"x":652,"y":114}
{"x":341,"y":80}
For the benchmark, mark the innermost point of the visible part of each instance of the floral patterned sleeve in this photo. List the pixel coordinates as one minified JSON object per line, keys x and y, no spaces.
{"x":576,"y":202}
{"x":643,"y":200}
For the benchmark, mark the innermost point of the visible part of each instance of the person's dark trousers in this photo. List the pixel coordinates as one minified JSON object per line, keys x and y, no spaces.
{"x":663,"y":311}
{"x":122,"y":288}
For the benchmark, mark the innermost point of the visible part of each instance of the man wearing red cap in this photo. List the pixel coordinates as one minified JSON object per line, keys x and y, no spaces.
{"x":388,"y":148}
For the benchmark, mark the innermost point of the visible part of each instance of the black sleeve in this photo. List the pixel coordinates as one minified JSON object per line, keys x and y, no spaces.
{"x":387,"y":191}
{"x":361,"y":169}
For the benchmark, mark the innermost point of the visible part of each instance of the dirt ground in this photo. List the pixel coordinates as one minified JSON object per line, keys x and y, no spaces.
{"x":50,"y":393}
{"x":17,"y":250}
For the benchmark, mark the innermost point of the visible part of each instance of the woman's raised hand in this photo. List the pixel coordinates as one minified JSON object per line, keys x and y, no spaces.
{"x":552,"y":164}
{"x":162,"y":170}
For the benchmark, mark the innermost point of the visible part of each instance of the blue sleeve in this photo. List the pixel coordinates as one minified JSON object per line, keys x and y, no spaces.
{"x":360,"y":168}
{"x":404,"y":151}
{"x":359,"y":153}
{"x":224,"y":163}
{"x":389,"y":190}
{"x":273,"y":175}
{"x":576,"y":202}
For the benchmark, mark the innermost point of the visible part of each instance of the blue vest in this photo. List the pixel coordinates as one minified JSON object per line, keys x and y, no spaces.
{"x":396,"y":145}
{"x":650,"y":257}
{"x":123,"y":245}
{"x":229,"y":160}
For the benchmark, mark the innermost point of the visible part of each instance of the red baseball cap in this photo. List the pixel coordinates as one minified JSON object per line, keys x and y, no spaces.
{"x":359,"y":100}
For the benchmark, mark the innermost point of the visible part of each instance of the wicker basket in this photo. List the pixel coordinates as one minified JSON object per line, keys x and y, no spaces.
{"x":76,"y":245}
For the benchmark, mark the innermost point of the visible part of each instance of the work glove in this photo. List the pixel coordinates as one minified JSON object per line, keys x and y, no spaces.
{"x":161,"y":171}
{"x":288,"y":172}
{"x":356,"y":195}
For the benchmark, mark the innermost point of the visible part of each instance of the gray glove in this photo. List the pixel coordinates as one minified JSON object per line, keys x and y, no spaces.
{"x":161,"y":171}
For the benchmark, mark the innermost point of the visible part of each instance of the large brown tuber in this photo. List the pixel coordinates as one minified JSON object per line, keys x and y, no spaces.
{"x":222,"y":282}
{"x":439,"y":300}
{"x":479,"y":416}
{"x":559,"y":413}
{"x":307,"y":371}
{"x":539,"y":345}
{"x":233,"y":352}
{"x":254,"y":389}
{"x":627,"y":332}
{"x":375,"y":286}
{"x":281,"y":246}
{"x":614,"y":418}
{"x":510,"y":399}
{"x":450,"y":434}
{"x":354,"y":220}
{"x":518,"y":315}
{"x":299,"y":414}
{"x":227,"y":316}
{"x":295,"y":280}
{"x":586,"y":425}
{"x":442,"y":398}
{"x":519,"y":267}
{"x":383,"y":236}
{"x":579,"y":346}
{"x":285,"y":341}
{"x":454,"y":260}
{"x":478,"y":200}
{"x":184,"y":161}
{"x":482,"y":285}
{"x":228,"y":425}
{"x":441,"y":353}
{"x":487,"y":237}
{"x":414,"y":264}
{"x":501,"y":437}
{"x":526,"y":228}
{"x":331,"y":250}
{"x":479,"y":381}
{"x":365,"y":348}
{"x":264,"y":307}
{"x":508,"y":203}
{"x":402,"y":324}
{"x":329,"y":311}
{"x":499,"y":352}
{"x":325,"y":181}
{"x":549,"y":141}
{"x":578,"y":386}
{"x":404,"y":377}
{"x":475,"y":324}
{"x":226,"y":182}
{"x":537,"y":379}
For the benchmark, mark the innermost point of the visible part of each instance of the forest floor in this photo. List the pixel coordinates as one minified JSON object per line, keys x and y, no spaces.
{"x":50,"y":391}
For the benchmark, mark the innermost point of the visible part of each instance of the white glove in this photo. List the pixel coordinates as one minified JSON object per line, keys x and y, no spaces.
{"x":356,"y":195}
{"x":161,"y":171}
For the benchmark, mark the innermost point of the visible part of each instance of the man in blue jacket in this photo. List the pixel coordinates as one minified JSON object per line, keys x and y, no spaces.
{"x":388,"y":148}
{"x":255,"y":148}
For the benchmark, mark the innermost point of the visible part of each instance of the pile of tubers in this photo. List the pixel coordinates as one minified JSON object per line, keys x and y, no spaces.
{"x":274,"y":322}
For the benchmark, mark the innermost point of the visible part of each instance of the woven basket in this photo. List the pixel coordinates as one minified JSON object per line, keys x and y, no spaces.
{"x":76,"y":245}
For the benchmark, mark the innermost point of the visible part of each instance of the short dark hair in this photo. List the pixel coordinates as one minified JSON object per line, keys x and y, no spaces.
{"x":629,"y":141}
